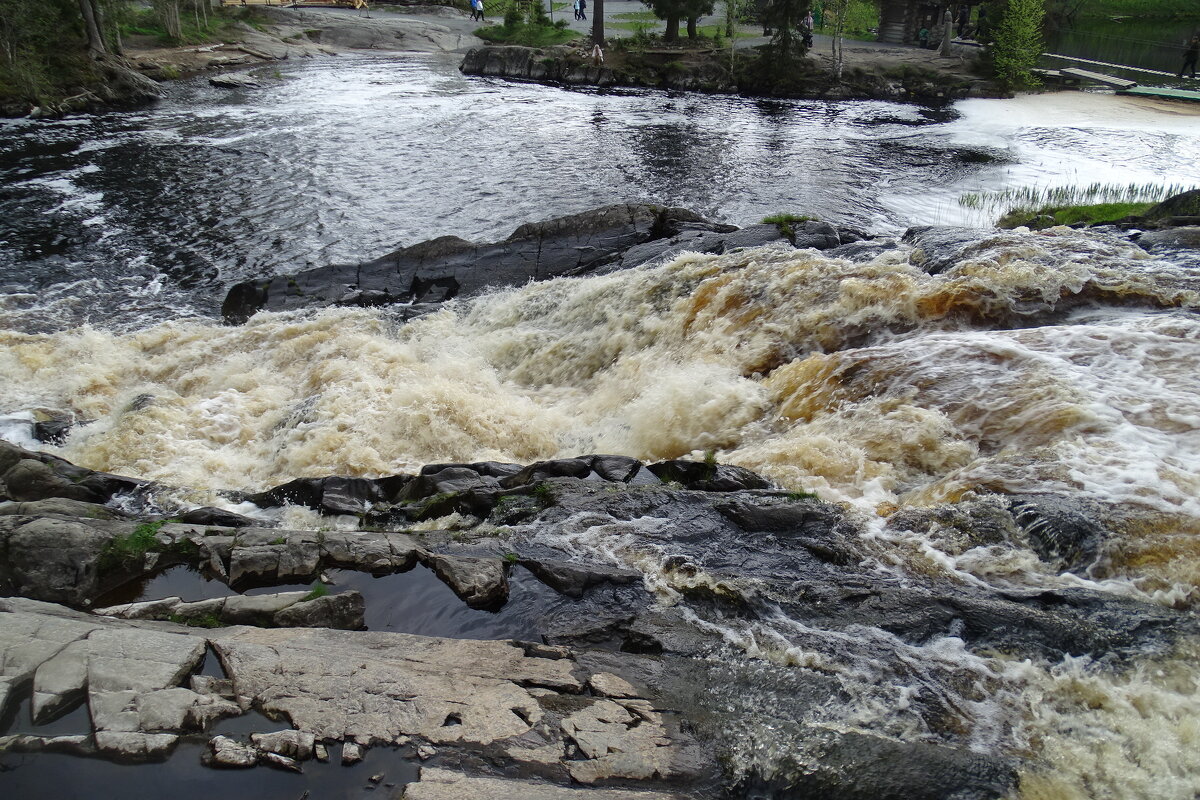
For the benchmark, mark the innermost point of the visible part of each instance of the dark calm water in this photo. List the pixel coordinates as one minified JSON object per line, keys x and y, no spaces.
{"x":1149,"y":45}
{"x":122,"y":219}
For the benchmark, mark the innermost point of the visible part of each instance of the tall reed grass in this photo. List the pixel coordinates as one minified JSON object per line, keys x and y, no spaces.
{"x":1033,"y":199}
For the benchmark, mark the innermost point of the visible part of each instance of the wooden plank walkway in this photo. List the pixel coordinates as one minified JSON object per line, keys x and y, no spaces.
{"x":1096,"y":77}
{"x":1164,"y":94}
{"x":1109,"y":65}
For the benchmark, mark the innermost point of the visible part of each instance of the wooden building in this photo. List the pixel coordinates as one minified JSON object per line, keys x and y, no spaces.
{"x":901,"y":21}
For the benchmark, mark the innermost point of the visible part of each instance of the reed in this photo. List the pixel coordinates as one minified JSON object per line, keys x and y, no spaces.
{"x":1033,"y":199}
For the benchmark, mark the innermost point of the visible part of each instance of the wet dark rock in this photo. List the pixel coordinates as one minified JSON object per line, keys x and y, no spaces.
{"x":54,"y":559}
{"x":60,"y":506}
{"x":544,"y":470}
{"x":54,"y":429}
{"x":861,"y":766}
{"x":706,"y":477}
{"x":480,"y":582}
{"x":334,"y":495}
{"x":449,"y":267}
{"x":1184,"y":237}
{"x":937,"y":248}
{"x":575,"y":579}
{"x":1184,"y":205}
{"x":615,"y":468}
{"x":1058,"y":530}
{"x":27,"y":475}
{"x":815,"y":234}
{"x":692,"y":240}
{"x":963,"y":525}
{"x":215,"y":516}
{"x":448,"y":479}
{"x":862,"y":251}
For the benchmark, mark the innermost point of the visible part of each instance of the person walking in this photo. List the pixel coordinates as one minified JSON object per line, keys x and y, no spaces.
{"x":583,"y":9}
{"x":576,"y":9}
{"x":1190,"y":55}
{"x":474,"y":11}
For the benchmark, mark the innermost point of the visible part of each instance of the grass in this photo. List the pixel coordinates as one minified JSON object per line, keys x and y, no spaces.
{"x":1070,"y":215}
{"x":785,"y":221}
{"x":133,"y":547}
{"x":527,"y":35}
{"x":318,"y":590}
{"x":511,"y":558}
{"x":798,"y":496}
{"x":544,"y":495}
{"x":1030,"y":201}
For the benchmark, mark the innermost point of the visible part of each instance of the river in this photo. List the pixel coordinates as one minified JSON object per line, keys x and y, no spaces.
{"x":874,"y":384}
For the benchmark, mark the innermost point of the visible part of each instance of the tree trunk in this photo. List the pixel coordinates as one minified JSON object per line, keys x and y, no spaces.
{"x":598,"y":22}
{"x":672,"y":32}
{"x":691,"y":27}
{"x":91,"y":23}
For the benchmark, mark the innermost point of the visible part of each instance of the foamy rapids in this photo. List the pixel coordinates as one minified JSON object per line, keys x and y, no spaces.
{"x":1052,"y":362}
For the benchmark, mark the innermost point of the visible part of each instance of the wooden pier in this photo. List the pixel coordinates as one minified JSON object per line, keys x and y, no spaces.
{"x":1162,"y":94}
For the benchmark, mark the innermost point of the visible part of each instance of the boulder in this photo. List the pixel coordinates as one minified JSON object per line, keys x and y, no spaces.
{"x":440,"y":269}
{"x":1184,"y":237}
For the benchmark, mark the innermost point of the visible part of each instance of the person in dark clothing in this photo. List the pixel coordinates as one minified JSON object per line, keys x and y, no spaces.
{"x":1190,"y":55}
{"x":583,"y":9}
{"x":964,"y":18}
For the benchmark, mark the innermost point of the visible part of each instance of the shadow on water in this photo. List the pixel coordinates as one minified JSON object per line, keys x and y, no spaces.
{"x":182,"y":777}
{"x":416,"y":601}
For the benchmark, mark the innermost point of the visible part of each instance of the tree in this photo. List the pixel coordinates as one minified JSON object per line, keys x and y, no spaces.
{"x":674,"y":10}
{"x":1018,"y":43}
{"x":598,"y":22}
{"x":835,"y":13}
{"x":92,"y":26}
{"x":784,"y":17}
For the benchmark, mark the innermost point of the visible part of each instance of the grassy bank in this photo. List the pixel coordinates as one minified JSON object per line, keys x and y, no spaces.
{"x":1141,"y":9}
{"x":527,"y":35}
{"x":1072,"y":215}
{"x":1068,"y":205}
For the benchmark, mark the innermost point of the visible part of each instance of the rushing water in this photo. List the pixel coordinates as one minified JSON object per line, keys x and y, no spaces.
{"x":122,"y":218}
{"x":1057,"y":362}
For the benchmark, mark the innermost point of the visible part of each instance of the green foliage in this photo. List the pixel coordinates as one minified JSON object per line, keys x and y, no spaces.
{"x":279,"y":540}
{"x":672,"y":11}
{"x":785,"y":221}
{"x":516,"y":30}
{"x":544,"y":495}
{"x":1027,"y":201}
{"x":42,"y":51}
{"x":149,"y":22}
{"x":129,"y":549}
{"x":511,"y":558}
{"x":861,"y":18}
{"x":798,"y":496}
{"x":318,"y":590}
{"x":1070,"y":215}
{"x":1018,"y":43}
{"x":784,"y":17}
